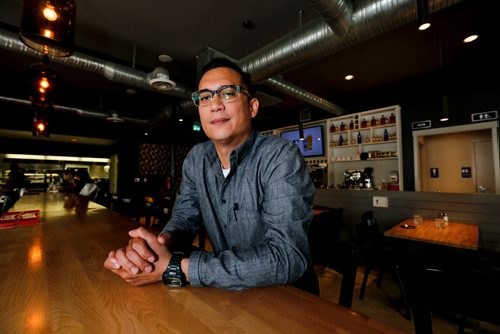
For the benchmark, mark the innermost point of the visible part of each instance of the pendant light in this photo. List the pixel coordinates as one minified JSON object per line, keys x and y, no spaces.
{"x":48,"y":26}
{"x":423,"y":15}
{"x":42,"y":81}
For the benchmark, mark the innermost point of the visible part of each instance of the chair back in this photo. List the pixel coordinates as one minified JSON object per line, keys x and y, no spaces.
{"x":367,"y":231}
{"x":469,"y":291}
{"x":324,"y":233}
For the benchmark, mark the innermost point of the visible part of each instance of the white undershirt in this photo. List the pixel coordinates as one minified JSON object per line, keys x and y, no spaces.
{"x":225,"y":172}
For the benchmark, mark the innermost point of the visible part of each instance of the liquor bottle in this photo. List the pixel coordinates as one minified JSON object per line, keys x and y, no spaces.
{"x":332,"y":128}
{"x":359,"y":138}
{"x":342,"y":126}
{"x":341,"y":140}
{"x":373,"y":122}
{"x":351,"y":125}
{"x":383,"y":120}
{"x":392,"y":118}
{"x":386,"y":135}
{"x":364,"y":123}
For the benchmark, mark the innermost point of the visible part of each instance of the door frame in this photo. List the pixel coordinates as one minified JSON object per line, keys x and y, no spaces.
{"x":493,"y":126}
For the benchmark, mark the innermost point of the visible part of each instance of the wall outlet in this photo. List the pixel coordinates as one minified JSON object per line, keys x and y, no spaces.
{"x":380,"y":202}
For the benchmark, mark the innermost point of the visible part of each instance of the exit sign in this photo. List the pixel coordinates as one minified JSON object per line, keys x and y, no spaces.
{"x":485,"y":116}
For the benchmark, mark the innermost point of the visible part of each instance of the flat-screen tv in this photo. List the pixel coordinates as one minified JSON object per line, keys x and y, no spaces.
{"x":312,"y":145}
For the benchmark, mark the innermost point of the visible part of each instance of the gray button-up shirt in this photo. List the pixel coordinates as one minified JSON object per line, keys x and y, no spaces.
{"x":257,"y":218}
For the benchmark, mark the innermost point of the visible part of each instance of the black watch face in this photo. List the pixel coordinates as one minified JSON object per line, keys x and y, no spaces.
{"x":173,"y":281}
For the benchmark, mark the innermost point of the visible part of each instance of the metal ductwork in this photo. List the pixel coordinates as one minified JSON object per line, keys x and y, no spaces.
{"x":79,"y":111}
{"x":289,"y":89}
{"x":336,"y":13}
{"x":316,"y":40}
{"x":367,"y":19}
{"x":113,"y":72}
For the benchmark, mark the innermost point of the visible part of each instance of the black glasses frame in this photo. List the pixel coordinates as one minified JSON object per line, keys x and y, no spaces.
{"x":195,"y":96}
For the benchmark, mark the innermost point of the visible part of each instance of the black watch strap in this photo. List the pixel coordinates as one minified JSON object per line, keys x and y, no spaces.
{"x":173,"y":275}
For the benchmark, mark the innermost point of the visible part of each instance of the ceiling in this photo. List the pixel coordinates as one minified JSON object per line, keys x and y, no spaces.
{"x":132,"y":35}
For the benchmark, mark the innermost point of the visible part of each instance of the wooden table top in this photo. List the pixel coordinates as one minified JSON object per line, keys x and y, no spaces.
{"x":460,"y":235}
{"x":53,"y":281}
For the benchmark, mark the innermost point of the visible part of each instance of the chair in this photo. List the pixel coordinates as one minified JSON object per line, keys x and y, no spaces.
{"x":376,"y":253}
{"x":463,"y":290}
{"x":329,"y":250}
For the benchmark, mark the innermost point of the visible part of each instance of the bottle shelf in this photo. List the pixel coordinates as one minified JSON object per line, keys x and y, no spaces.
{"x":383,"y":154}
{"x":358,"y":160}
{"x":365,"y":144}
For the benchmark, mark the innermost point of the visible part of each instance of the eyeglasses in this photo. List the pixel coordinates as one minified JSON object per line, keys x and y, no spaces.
{"x":227,"y":93}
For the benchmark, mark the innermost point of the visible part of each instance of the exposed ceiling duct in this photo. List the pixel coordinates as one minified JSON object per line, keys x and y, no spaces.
{"x":315,"y":40}
{"x":158,"y":80}
{"x":78,"y":111}
{"x":308,"y":43}
{"x":336,"y":13}
{"x":289,"y":89}
{"x":112,"y":71}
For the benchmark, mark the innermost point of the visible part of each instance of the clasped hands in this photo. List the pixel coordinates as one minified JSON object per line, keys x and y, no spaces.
{"x":143,"y":260}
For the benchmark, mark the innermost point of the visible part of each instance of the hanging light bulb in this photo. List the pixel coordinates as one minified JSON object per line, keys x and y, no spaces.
{"x":48,"y":26}
{"x":49,"y":12}
{"x":43,"y":82}
{"x":40,"y":128}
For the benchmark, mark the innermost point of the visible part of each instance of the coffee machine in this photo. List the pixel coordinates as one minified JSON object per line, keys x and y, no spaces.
{"x":358,"y":178}
{"x":367,"y":178}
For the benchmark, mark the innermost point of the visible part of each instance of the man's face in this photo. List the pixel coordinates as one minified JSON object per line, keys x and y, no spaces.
{"x":226,"y":123}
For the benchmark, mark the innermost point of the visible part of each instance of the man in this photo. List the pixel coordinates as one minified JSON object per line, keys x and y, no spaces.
{"x":253,"y":194}
{"x":16,"y":181}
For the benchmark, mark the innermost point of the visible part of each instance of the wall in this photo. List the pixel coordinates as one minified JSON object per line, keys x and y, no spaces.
{"x":483,"y":210}
{"x":449,"y":161}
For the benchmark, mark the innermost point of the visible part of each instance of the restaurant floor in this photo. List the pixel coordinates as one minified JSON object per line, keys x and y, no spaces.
{"x":383,"y":303}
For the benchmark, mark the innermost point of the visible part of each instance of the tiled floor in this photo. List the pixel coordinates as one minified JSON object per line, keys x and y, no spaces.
{"x":383,"y":303}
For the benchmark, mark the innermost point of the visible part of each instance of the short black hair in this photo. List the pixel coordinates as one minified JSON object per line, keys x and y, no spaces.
{"x":224,"y":62}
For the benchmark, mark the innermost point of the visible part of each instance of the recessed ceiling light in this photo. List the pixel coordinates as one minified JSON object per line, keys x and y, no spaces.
{"x":165,"y":58}
{"x":470,"y":38}
{"x":349,"y":77}
{"x":424,"y":26}
{"x":74,"y":140}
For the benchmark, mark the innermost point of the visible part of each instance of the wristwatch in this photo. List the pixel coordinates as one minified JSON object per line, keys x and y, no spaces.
{"x":173,"y":275}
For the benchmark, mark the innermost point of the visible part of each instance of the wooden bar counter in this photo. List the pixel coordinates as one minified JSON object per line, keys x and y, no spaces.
{"x":52,"y":280}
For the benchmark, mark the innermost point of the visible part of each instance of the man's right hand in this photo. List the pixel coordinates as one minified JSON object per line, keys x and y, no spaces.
{"x":145,"y":255}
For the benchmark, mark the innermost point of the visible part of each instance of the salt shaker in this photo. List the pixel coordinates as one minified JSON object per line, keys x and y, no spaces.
{"x":444,"y":217}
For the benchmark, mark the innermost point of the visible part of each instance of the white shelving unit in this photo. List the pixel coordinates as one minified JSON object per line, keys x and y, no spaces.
{"x":366,"y":139}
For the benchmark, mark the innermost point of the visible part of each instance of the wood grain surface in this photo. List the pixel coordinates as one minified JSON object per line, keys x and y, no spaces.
{"x":455,"y":234}
{"x":52,"y":280}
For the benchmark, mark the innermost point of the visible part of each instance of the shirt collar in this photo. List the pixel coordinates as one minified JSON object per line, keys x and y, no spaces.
{"x":238,"y":154}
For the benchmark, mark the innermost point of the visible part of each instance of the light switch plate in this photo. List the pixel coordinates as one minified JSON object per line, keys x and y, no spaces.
{"x":380,"y":201}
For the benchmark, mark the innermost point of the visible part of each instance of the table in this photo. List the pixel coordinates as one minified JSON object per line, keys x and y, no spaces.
{"x":460,"y":235}
{"x":53,"y":280}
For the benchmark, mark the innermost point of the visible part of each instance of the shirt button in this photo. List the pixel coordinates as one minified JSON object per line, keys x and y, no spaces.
{"x":223,"y":201}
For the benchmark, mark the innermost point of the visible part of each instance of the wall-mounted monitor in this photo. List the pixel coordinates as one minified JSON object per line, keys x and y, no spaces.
{"x":312,"y":145}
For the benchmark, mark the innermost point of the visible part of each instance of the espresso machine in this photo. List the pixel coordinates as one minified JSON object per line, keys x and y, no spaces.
{"x":358,"y":178}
